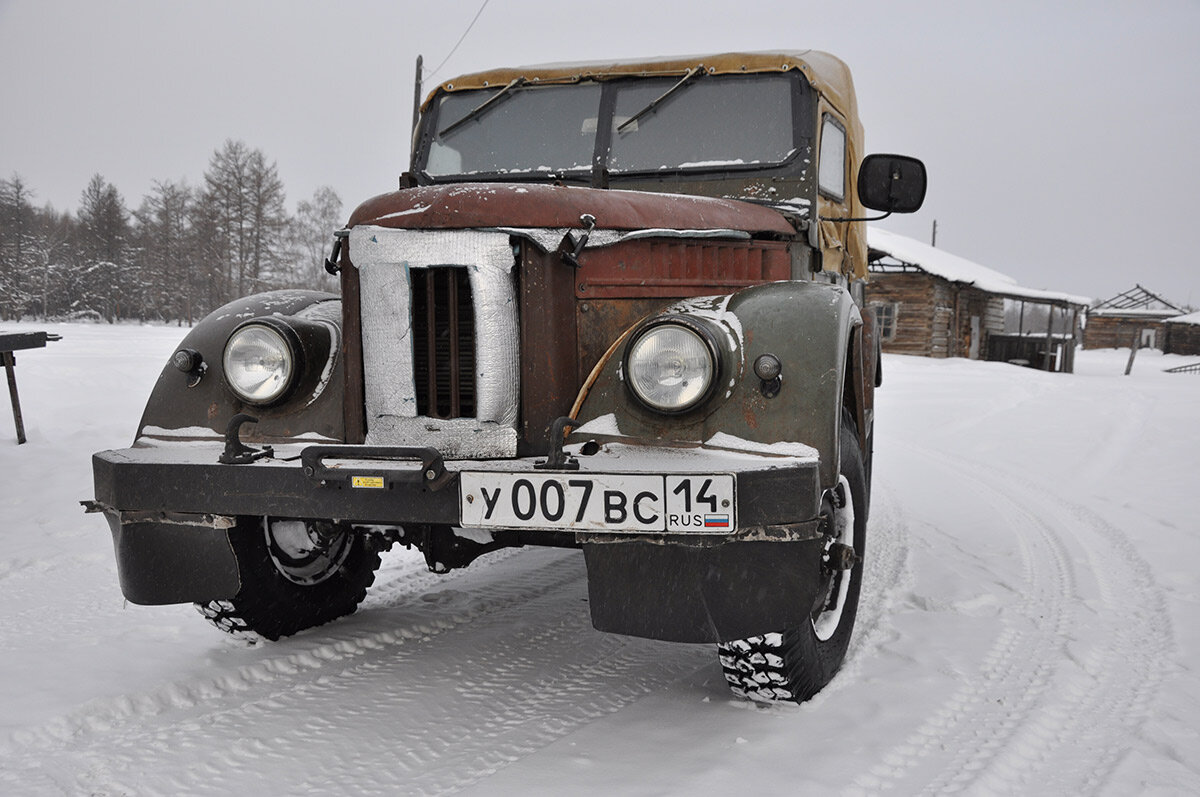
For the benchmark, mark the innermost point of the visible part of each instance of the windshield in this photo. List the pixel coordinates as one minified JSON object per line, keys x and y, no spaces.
{"x":537,"y":129}
{"x":665,"y":125}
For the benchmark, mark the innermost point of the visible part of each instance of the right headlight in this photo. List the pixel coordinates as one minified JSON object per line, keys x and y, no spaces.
{"x":670,"y":367}
{"x":260,"y":363}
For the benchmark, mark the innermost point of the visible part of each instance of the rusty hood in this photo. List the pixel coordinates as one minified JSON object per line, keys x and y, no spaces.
{"x":474,"y":205}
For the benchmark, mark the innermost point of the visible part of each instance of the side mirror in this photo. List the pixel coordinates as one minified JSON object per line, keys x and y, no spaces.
{"x":891,"y":183}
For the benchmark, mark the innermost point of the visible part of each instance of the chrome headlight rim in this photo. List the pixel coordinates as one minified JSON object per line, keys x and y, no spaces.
{"x":696,"y":327}
{"x":291,"y":348}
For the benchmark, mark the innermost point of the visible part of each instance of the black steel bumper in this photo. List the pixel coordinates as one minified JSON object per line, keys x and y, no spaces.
{"x":171,"y":509}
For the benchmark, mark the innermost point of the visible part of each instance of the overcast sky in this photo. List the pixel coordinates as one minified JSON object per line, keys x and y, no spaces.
{"x":1062,"y":139}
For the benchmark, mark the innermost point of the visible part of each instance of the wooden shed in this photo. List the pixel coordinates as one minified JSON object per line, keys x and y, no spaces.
{"x":931,"y":303}
{"x":1135,"y":317}
{"x":1182,"y":334}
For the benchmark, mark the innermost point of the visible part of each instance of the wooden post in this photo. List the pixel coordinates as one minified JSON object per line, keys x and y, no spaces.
{"x":1069,"y":348}
{"x":1049,"y":337}
{"x":1133,"y":347}
{"x":9,"y":366}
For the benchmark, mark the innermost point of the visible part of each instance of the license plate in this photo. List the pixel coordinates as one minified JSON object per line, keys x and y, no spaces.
{"x":599,"y":501}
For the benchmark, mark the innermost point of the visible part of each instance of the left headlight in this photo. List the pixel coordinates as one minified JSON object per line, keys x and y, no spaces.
{"x":260,"y":363}
{"x":670,"y":367}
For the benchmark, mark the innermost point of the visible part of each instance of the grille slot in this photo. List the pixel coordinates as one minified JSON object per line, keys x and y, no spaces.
{"x":443,"y":327}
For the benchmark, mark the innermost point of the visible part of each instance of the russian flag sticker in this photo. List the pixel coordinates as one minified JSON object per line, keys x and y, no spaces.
{"x":716,"y":521}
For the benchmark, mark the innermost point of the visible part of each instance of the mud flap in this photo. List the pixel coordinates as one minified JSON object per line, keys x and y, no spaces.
{"x":702,"y":594}
{"x":174,"y":559}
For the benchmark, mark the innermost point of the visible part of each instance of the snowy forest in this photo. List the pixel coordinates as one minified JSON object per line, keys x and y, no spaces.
{"x":182,"y":252}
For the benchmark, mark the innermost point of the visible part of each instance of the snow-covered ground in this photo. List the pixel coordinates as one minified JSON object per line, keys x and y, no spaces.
{"x":1029,"y":624}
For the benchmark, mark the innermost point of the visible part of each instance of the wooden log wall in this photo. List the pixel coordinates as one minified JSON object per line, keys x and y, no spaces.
{"x":1182,"y":339}
{"x":924,"y":312}
{"x":989,"y":309}
{"x":1115,"y":332}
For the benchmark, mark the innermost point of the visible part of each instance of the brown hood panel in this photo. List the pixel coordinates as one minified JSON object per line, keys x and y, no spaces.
{"x":467,"y":205}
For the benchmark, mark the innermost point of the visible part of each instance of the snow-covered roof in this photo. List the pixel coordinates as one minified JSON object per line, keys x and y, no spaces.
{"x":941,"y":263}
{"x":1133,"y":312}
{"x":1190,"y":318}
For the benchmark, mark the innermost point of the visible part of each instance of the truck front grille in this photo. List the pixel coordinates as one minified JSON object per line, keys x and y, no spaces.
{"x":443,"y":327}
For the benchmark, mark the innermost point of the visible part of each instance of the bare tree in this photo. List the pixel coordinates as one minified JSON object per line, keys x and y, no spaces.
{"x":311,"y":237}
{"x":242,"y":208}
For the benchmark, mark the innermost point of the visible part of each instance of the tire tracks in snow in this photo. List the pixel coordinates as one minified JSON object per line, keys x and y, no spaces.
{"x":1069,"y":679}
{"x":886,"y":576}
{"x":463,"y":685}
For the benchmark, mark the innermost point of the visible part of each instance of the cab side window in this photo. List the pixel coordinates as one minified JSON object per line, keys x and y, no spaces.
{"x":831,"y":168}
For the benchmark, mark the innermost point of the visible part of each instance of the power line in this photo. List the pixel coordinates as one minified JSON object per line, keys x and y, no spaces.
{"x":460,"y":40}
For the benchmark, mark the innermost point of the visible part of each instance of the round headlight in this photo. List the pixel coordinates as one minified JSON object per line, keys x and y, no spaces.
{"x":670,"y":367}
{"x":259,"y":363}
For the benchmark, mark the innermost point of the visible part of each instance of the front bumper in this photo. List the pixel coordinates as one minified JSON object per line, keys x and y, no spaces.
{"x":172,"y":508}
{"x":361,"y":484}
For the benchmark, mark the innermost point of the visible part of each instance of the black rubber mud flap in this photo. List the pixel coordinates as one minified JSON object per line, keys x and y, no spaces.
{"x":172,"y":562}
{"x":682,"y":593}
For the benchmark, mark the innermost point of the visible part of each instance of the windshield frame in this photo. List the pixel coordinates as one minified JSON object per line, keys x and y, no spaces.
{"x":600,"y":173}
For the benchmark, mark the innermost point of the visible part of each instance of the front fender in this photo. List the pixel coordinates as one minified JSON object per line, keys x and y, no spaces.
{"x":807,"y":326}
{"x":314,"y":406}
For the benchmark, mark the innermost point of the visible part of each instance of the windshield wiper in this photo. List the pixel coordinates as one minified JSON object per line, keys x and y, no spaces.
{"x":693,"y":73}
{"x":481,"y":107}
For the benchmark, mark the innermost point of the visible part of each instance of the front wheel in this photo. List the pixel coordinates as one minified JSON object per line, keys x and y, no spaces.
{"x":296,"y":574}
{"x":797,"y":663}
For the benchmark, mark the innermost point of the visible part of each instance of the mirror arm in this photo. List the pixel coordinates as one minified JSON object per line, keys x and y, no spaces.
{"x":861,"y":218}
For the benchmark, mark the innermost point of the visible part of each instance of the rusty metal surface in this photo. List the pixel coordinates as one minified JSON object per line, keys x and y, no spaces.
{"x":600,"y":322}
{"x":549,"y":354}
{"x":353,"y":403}
{"x":469,"y":205}
{"x":672,"y":268}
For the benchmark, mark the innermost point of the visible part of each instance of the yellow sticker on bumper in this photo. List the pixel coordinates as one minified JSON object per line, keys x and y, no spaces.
{"x":375,"y":482}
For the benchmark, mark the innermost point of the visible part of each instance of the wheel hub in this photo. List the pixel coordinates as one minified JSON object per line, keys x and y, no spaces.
{"x":304,"y":551}
{"x":839,"y":559}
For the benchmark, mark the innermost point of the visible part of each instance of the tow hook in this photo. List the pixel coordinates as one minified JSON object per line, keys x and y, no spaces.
{"x":841,"y":557}
{"x":236,"y":452}
{"x":556,"y":458}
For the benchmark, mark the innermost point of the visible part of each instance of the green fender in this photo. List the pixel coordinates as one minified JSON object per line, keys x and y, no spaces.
{"x":314,"y":404}
{"x":808,"y":326}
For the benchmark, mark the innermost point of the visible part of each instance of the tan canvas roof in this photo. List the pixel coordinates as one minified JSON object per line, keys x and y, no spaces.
{"x":825,"y":72}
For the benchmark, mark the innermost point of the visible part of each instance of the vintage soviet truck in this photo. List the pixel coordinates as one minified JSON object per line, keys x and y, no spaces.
{"x":613,"y":307}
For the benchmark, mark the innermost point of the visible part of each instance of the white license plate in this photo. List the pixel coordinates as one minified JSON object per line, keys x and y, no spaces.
{"x":599,"y":501}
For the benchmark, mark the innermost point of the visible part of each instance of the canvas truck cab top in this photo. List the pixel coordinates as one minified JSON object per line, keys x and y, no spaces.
{"x":614,"y":307}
